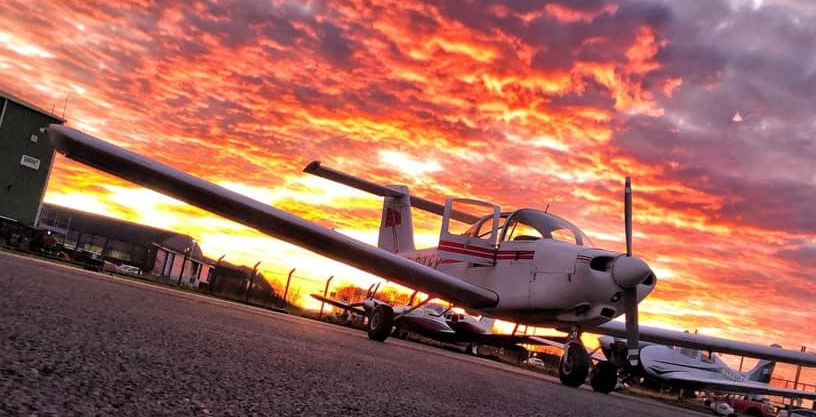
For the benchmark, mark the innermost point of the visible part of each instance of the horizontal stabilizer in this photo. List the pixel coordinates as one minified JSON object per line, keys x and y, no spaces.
{"x":315,"y":168}
{"x":265,"y":218}
{"x":339,"y":304}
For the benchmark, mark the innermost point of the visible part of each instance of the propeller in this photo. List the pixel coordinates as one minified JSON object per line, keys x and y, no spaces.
{"x":630,"y":301}
{"x":628,"y":272}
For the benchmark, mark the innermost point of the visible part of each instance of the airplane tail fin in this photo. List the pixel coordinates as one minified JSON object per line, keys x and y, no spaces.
{"x":396,"y":227}
{"x":487,"y":322}
{"x":762,"y":372}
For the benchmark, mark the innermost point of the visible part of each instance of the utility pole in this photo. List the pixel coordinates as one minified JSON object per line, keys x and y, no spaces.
{"x":286,"y":290}
{"x":184,"y":263}
{"x":251,"y":282}
{"x":325,"y":291}
{"x":214,"y":274}
{"x":799,"y":373}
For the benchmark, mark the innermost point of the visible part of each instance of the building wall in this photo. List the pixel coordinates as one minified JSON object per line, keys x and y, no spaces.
{"x":22,"y":183}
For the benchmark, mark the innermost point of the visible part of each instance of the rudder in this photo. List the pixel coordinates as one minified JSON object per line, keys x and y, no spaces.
{"x":762,"y":372}
{"x":396,"y":227}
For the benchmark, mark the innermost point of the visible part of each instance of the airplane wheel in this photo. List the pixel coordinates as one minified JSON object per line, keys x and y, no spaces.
{"x":604,"y":377}
{"x":380,"y":323}
{"x":574,"y":365}
{"x":400,"y":332}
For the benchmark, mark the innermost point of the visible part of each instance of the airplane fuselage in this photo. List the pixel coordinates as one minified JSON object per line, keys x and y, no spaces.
{"x":542,"y":282}
{"x":672,"y":364}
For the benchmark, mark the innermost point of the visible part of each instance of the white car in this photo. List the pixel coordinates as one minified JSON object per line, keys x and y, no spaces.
{"x":129,"y":269}
{"x":720,"y":408}
{"x":797,"y":412}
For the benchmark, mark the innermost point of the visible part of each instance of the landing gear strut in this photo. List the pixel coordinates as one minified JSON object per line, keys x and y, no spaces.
{"x":604,"y":377}
{"x":574,"y":365}
{"x":380,"y":322}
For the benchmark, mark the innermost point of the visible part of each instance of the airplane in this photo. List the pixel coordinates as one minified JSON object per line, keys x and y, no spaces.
{"x":444,"y":324}
{"x":525,"y":266}
{"x":698,"y":370}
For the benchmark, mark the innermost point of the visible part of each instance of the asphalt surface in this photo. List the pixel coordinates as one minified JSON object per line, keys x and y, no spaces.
{"x":80,"y":343}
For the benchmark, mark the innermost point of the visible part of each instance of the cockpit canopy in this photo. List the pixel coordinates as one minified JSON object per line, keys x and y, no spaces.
{"x":529,"y":224}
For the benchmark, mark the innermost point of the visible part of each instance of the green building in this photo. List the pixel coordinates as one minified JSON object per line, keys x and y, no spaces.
{"x":25,"y":159}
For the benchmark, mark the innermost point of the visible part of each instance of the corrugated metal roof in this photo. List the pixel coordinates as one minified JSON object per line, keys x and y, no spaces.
{"x":24,"y":103}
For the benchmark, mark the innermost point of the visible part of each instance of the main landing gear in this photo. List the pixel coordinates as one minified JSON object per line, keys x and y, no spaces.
{"x":604,"y":377}
{"x":575,"y":362}
{"x":380,"y":322}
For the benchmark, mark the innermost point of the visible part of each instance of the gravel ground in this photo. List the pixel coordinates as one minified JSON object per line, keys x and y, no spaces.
{"x":79,"y":343}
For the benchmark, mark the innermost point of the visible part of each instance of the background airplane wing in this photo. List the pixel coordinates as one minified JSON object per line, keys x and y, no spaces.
{"x":498,"y":339}
{"x":339,"y":304}
{"x":558,"y":342}
{"x":714,"y":344}
{"x":739,"y":387}
{"x":267,"y":219}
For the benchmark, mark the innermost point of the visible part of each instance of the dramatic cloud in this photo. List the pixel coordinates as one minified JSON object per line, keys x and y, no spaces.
{"x":707,"y":105}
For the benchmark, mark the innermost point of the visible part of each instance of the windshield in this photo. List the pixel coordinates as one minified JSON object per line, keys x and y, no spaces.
{"x":528,"y":224}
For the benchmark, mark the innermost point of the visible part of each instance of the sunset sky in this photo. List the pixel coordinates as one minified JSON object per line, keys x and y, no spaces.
{"x":707,"y":105}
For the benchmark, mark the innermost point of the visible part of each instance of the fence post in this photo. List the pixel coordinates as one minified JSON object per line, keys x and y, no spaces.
{"x":325,"y":291}
{"x":288,"y":280}
{"x":251,"y":282}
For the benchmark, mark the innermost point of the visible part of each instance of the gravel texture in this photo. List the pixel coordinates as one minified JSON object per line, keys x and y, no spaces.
{"x":79,"y":343}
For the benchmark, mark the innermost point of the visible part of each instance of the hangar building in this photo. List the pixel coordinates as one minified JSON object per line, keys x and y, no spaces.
{"x":25,"y":158}
{"x":175,"y":257}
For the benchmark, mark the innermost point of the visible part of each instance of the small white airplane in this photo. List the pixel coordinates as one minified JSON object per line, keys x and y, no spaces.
{"x":524,"y":266}
{"x":444,"y":324}
{"x":698,"y":370}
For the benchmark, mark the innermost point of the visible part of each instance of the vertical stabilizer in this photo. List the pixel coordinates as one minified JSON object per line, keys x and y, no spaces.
{"x":762,"y":372}
{"x":396,"y":228}
{"x":487,"y":323}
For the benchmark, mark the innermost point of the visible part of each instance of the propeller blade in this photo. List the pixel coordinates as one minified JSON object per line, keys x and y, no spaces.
{"x":627,"y":213}
{"x":630,"y":303}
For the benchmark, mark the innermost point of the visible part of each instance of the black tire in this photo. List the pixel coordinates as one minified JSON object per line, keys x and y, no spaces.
{"x":604,"y":377}
{"x":380,"y":323}
{"x":573,"y":367}
{"x":472,"y":349}
{"x":400,"y":332}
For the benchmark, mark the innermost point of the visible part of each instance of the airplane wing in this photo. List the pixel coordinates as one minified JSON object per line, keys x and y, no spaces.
{"x":707,"y":384}
{"x":714,"y":344}
{"x":267,"y":219}
{"x":339,"y":304}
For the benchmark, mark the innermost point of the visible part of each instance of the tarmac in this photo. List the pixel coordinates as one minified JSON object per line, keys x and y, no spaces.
{"x":74,"y":342}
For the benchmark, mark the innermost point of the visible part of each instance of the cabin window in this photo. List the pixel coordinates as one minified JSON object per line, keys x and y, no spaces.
{"x":691,"y":353}
{"x":521,"y":231}
{"x":528,"y":224}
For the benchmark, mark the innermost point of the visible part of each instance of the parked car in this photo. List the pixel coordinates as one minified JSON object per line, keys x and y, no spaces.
{"x":750,"y":406}
{"x":129,"y":270}
{"x":89,"y":260}
{"x":797,"y":412}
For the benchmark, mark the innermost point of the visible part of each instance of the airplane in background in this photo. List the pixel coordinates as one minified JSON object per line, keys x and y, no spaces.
{"x":524,"y":266}
{"x":697,"y":370}
{"x":444,"y":324}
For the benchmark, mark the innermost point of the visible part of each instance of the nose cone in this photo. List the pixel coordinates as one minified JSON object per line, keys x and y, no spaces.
{"x":629,"y":271}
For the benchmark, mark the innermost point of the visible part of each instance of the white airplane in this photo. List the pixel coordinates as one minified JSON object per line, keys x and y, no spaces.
{"x":444,"y":324}
{"x":525,"y":266}
{"x":698,"y":370}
